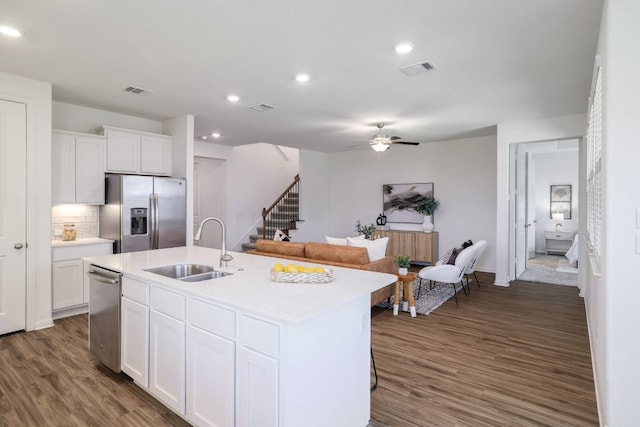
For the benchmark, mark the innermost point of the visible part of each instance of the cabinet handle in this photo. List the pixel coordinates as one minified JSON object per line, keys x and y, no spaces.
{"x":18,"y":246}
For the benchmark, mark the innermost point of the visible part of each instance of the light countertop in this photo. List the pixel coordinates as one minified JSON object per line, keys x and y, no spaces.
{"x":249,"y":288}
{"x":80,"y":242}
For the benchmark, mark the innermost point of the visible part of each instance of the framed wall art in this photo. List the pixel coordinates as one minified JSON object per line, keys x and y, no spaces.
{"x":398,"y":199}
{"x":560,"y":200}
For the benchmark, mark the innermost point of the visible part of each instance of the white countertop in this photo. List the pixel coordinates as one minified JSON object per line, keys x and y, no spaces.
{"x":249,"y":288}
{"x":80,"y":242}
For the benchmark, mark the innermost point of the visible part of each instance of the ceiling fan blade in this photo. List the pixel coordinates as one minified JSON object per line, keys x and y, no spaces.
{"x":395,"y":138}
{"x":405,"y":142}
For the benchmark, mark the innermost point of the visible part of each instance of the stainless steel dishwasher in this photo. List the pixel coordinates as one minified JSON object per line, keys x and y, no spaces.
{"x":104,"y":315}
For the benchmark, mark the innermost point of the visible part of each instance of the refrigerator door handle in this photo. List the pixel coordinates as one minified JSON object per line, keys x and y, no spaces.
{"x":152,"y":221}
{"x":156,"y":222}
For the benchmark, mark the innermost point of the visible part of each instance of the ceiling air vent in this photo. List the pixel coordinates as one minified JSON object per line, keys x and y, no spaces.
{"x":421,"y":68}
{"x":262,"y":107}
{"x":138,"y":90}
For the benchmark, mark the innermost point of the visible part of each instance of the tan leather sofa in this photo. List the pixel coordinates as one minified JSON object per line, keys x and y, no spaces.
{"x":324,"y":253}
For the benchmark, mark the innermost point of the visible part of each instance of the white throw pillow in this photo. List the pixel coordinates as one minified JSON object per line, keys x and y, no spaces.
{"x":375,"y":248}
{"x":341,"y":241}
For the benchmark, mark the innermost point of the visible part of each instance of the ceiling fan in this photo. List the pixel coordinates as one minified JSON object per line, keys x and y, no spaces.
{"x":380,"y":142}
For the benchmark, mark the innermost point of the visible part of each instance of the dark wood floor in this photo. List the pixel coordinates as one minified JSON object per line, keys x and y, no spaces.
{"x":516,"y":356}
{"x":49,"y":378}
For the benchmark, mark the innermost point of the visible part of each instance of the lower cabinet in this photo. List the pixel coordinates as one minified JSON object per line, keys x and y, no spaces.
{"x":420,"y":246}
{"x":257,"y":389}
{"x":210,"y":378}
{"x":68,"y":284}
{"x":135,"y":340}
{"x":166,"y":360}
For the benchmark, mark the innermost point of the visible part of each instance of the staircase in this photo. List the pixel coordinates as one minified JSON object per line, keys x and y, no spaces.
{"x":283,"y":214}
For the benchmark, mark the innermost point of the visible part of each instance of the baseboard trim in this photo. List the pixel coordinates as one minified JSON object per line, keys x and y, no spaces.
{"x":593,"y":365}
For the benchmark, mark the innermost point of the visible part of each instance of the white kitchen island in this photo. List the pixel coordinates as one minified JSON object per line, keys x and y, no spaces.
{"x":242,"y":350}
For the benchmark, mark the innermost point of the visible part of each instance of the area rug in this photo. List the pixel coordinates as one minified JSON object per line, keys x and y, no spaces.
{"x":429,"y":299}
{"x":543,"y":269}
{"x":565,"y":267}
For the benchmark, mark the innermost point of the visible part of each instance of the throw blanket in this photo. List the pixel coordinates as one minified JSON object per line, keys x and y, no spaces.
{"x":572,"y":253}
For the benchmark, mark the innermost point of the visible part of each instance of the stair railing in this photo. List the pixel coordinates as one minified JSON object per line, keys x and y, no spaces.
{"x":281,"y":215}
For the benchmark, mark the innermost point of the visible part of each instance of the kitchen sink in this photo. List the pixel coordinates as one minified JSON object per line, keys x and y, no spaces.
{"x":179,"y":271}
{"x":204,"y":276}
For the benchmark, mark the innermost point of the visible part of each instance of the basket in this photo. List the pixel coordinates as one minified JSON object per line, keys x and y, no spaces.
{"x":282,"y":276}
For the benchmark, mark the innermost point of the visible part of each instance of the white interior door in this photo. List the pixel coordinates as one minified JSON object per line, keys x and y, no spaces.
{"x":521,"y":212}
{"x":13,"y":143}
{"x":531,"y":207}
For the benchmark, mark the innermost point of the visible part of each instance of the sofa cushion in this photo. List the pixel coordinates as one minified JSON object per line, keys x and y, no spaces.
{"x":376,"y":249}
{"x":281,"y":248}
{"x":336,"y":253}
{"x":341,"y":241}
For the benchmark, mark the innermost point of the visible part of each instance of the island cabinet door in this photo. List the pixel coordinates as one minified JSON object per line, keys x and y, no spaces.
{"x":135,"y":341}
{"x":258,"y":372}
{"x":257,"y":389}
{"x":167,"y":360}
{"x":210,"y":379}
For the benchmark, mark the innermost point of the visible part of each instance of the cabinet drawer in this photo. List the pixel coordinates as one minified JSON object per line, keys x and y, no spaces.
{"x":260,"y":335}
{"x":78,"y":251}
{"x":168,"y":302}
{"x":135,"y":290}
{"x":212,"y":318}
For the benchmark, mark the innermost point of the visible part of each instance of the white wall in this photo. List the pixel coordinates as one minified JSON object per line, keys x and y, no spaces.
{"x":556,"y":168}
{"x":553,"y":128}
{"x":256,"y":175}
{"x":612,"y":299}
{"x":37,"y":97}
{"x":464,"y":176}
{"x":314,"y":193}
{"x":210,"y":192}
{"x":86,"y":119}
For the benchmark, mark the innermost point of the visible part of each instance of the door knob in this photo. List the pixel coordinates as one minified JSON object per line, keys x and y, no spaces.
{"x":18,"y":246}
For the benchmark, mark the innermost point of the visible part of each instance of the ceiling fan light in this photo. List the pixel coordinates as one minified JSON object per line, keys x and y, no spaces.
{"x":379,"y":145}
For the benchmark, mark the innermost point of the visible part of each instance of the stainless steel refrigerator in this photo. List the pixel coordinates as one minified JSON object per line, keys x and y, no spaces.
{"x":144,"y":212}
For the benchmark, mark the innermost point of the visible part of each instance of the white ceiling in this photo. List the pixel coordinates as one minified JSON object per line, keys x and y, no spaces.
{"x":498,"y":61}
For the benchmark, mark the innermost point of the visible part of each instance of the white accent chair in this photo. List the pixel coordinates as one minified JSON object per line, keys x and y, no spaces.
{"x":447,"y":273}
{"x":479,"y":246}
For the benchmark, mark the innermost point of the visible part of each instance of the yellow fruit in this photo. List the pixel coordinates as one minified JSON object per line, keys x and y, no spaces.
{"x":291,"y":268}
{"x":308,"y":270}
{"x":278,"y":268}
{"x":318,"y":270}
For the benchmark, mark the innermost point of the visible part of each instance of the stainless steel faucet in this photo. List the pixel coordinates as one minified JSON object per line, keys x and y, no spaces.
{"x":224,"y":256}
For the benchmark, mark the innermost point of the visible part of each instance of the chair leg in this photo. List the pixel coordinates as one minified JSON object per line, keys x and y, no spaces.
{"x":463,"y":288}
{"x":455,"y":294}
{"x":375,"y":371}
{"x":477,"y":281}
{"x":419,"y":287}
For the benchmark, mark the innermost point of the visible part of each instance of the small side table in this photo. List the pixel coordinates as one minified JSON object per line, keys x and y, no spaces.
{"x":407,"y":290}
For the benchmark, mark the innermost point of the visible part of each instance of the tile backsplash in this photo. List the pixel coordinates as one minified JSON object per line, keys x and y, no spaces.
{"x":83,"y":217}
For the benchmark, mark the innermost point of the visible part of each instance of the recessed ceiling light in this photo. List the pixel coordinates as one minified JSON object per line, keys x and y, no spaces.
{"x":233,"y":98}
{"x":204,"y":137}
{"x":403,"y":47}
{"x":215,"y":135}
{"x":302,"y":78}
{"x":8,"y":31}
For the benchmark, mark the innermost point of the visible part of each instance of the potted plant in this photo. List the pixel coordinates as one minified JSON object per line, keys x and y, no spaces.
{"x":426,"y":207}
{"x":403,"y":262}
{"x":367,"y":230}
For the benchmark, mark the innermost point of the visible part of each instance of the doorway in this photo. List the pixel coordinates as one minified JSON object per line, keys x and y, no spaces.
{"x":209,"y":198}
{"x":540,"y":167}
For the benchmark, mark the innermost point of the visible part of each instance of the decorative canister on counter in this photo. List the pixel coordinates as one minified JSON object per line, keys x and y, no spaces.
{"x":69,"y":232}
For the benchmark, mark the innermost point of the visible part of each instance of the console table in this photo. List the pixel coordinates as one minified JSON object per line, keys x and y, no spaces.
{"x":557,"y":241}
{"x":420,"y":246}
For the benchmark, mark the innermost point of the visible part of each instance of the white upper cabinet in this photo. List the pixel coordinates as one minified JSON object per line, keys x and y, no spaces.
{"x":77,"y":168}
{"x":136,"y":152}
